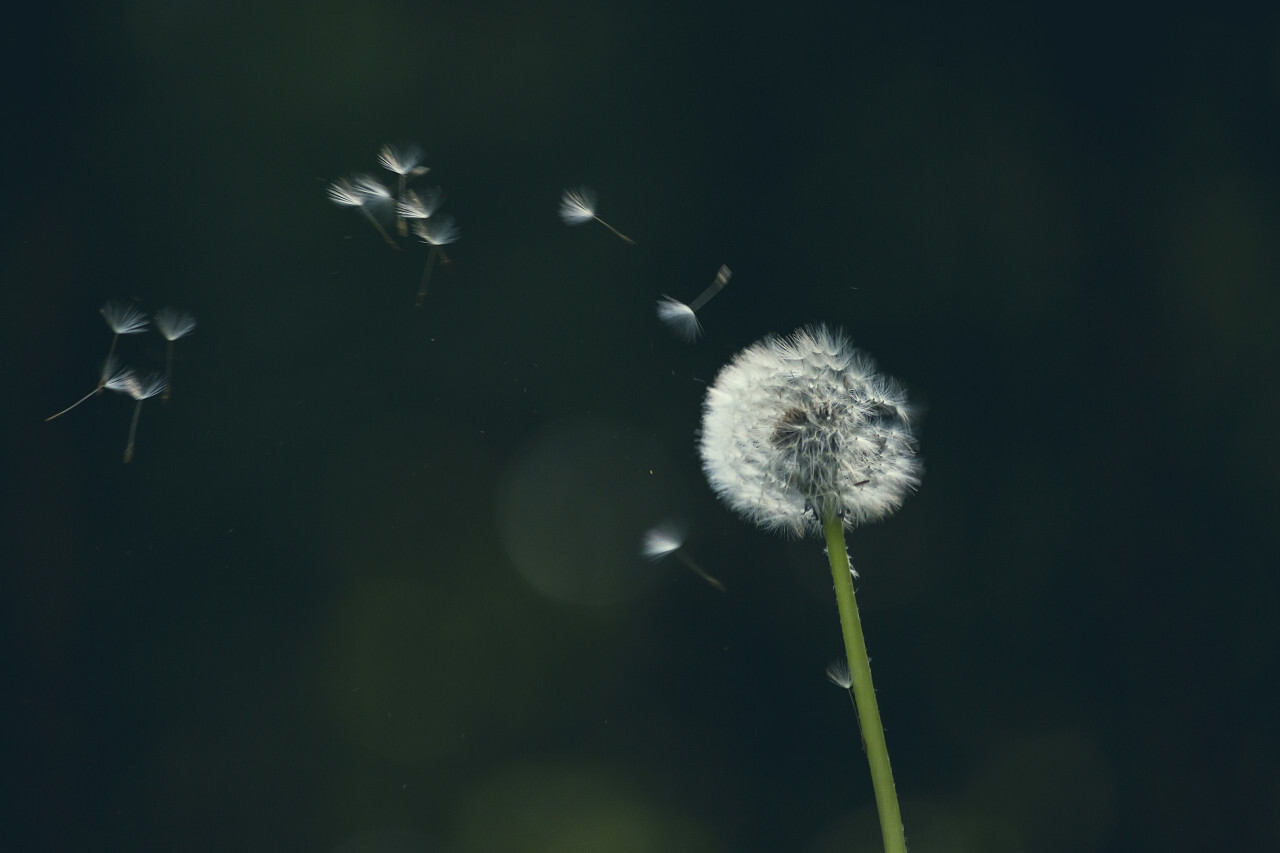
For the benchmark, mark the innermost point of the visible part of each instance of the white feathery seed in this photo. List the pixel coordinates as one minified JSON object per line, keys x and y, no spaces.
{"x":124,"y":318}
{"x":579,"y":206}
{"x":680,"y":318}
{"x":839,"y":675}
{"x":404,"y":160}
{"x":423,"y":205}
{"x":437,"y":232}
{"x":173,"y":323}
{"x":668,"y":538}
{"x":139,"y":388}
{"x":800,"y":428}
{"x":662,"y":540}
{"x":683,"y":319}
{"x":363,"y":192}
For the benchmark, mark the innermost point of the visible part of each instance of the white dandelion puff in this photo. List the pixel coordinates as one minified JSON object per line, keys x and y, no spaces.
{"x":362,"y":192}
{"x":668,"y":538}
{"x":403,"y":160}
{"x":680,"y":318}
{"x":172,"y":325}
{"x":124,"y":318}
{"x":437,"y":232}
{"x":799,"y":429}
{"x":803,"y":435}
{"x":139,"y":389}
{"x":838,"y":673}
{"x":579,"y":206}
{"x":683,"y":319}
{"x":423,"y":205}
{"x":406,"y":162}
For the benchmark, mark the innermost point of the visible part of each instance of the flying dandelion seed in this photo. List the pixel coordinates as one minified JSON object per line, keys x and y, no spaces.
{"x":437,"y":232}
{"x":172,"y":325}
{"x":139,"y":390}
{"x":668,"y":538}
{"x":363,"y":192}
{"x":683,"y":319}
{"x":415,"y":205}
{"x":406,"y":162}
{"x":579,"y":206}
{"x":839,"y":674}
{"x":124,"y":318}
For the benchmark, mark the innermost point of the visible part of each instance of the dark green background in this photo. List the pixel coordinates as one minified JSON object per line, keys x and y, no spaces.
{"x":292,"y":622}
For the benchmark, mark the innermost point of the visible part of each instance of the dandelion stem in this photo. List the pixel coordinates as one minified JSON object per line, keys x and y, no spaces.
{"x":376,"y":224}
{"x":614,"y":230}
{"x":168,"y":372}
{"x":76,"y":403}
{"x":425,"y":281}
{"x":864,"y":692}
{"x":133,"y":429}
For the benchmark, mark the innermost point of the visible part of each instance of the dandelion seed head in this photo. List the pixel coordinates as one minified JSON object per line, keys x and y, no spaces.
{"x":422,"y":205}
{"x":370,"y":189}
{"x":796,"y":429}
{"x":578,"y":206}
{"x":664,"y":539}
{"x":173,"y":323}
{"x":839,"y":675}
{"x":680,"y":318}
{"x":138,"y":387}
{"x":437,"y":231}
{"x":124,"y":318}
{"x":401,"y":159}
{"x":116,"y":377}
{"x":342,"y":193}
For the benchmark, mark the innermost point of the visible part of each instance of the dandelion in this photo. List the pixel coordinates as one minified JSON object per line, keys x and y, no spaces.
{"x":668,"y":538}
{"x":437,"y":232}
{"x":803,"y":435}
{"x":579,"y":206}
{"x":124,"y":318}
{"x":422,"y":205}
{"x":172,"y":324}
{"x":139,"y":390}
{"x":363,"y":192}
{"x":405,"y":162}
{"x":683,"y":319}
{"x":800,"y":431}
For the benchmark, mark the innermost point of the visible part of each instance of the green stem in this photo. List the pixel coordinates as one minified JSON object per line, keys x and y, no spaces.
{"x":864,"y":693}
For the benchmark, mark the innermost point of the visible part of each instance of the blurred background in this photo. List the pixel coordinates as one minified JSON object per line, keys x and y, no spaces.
{"x":372,"y":580}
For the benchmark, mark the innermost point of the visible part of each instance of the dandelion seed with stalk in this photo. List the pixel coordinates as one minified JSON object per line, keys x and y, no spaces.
{"x":437,"y":232}
{"x":364,"y":193}
{"x":668,"y":538}
{"x":124,"y":318}
{"x":139,"y":390}
{"x":579,"y":206}
{"x":683,"y":319}
{"x":803,"y":435}
{"x":172,"y":325}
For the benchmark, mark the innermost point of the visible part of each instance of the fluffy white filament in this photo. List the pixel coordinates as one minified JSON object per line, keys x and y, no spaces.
{"x":798,"y":428}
